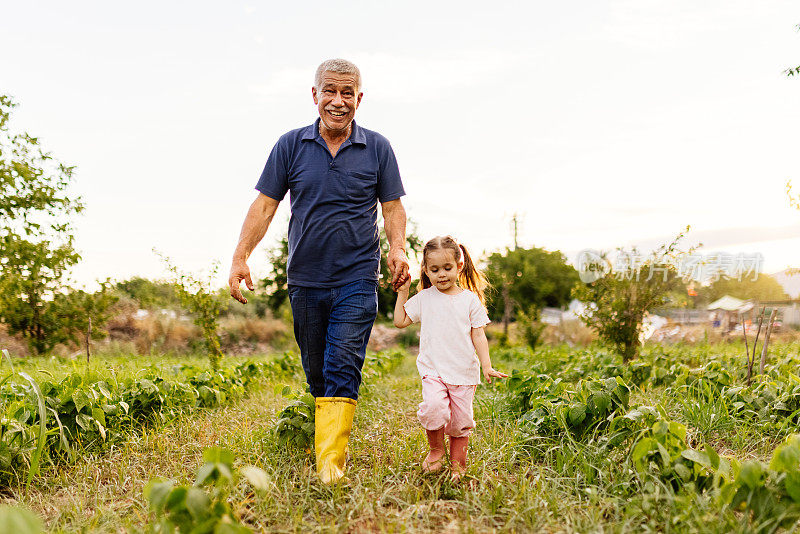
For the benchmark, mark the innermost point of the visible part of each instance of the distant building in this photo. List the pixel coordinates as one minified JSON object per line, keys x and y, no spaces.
{"x":727,"y":310}
{"x":788,"y":310}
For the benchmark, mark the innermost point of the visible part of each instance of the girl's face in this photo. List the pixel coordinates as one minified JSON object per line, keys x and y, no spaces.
{"x":442,"y":268}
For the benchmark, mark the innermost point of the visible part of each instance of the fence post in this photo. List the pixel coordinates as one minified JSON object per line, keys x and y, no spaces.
{"x":766,"y":341}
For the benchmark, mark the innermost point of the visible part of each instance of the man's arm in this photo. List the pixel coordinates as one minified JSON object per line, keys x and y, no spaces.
{"x":394,"y":222}
{"x":255,"y":225}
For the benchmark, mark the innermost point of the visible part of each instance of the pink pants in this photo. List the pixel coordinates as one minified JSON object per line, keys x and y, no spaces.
{"x":446,"y":405}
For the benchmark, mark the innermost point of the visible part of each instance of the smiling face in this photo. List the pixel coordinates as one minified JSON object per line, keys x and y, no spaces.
{"x":337,"y":99}
{"x":442,"y":268}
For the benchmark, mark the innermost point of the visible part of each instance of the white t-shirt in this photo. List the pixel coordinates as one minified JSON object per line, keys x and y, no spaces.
{"x":445,"y":344}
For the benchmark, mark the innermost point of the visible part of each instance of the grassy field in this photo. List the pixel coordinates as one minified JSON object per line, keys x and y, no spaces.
{"x":518,"y":480}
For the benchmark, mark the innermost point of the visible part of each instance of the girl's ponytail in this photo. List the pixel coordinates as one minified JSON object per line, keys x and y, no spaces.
{"x":471,"y":278}
{"x":424,"y":281}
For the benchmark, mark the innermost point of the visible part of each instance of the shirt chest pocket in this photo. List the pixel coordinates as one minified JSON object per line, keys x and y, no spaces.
{"x":361,"y":185}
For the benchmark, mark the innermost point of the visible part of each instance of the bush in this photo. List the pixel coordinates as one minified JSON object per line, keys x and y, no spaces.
{"x":408,"y":337}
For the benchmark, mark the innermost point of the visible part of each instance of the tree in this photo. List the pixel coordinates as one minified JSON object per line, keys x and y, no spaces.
{"x":619,"y":299}
{"x":203,"y":302}
{"x":527,"y":280}
{"x":150,"y":294}
{"x":77,"y":309}
{"x":765,"y":287}
{"x":36,"y":239}
{"x":276,"y":284}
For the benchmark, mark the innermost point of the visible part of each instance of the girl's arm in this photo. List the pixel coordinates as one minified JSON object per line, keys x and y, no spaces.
{"x":482,"y":348}
{"x":401,"y":319}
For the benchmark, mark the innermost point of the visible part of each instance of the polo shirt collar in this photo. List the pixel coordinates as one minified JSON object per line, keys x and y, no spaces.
{"x":357,"y":136}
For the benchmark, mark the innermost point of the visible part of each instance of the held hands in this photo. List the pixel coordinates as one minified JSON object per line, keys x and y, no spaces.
{"x":240,"y":271}
{"x":398,"y":266}
{"x":488,"y":373}
{"x":406,"y":287}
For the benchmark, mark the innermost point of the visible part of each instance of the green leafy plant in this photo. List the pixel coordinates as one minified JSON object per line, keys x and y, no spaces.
{"x":531,"y":327}
{"x":22,"y":445}
{"x":552,"y":407}
{"x":619,"y":300}
{"x":295,"y":424}
{"x":769,"y":494}
{"x":197,"y":296}
{"x":54,"y":421}
{"x":662,"y":451}
{"x":203,"y":507}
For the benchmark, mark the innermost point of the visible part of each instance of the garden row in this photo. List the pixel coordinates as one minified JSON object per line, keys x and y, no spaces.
{"x":597,"y":411}
{"x":76,"y":423}
{"x":54,"y":421}
{"x":771,"y":399}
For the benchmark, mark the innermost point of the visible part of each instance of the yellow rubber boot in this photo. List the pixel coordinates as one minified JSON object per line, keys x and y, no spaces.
{"x":332,"y":423}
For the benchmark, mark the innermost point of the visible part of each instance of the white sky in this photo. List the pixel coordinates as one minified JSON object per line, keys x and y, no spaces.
{"x":602,"y":123}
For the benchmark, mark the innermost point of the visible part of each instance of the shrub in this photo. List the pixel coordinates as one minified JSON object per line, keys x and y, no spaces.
{"x":619,"y":299}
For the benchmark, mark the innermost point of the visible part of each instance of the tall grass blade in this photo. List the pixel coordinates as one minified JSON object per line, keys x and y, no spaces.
{"x":8,"y":359}
{"x":36,"y":458}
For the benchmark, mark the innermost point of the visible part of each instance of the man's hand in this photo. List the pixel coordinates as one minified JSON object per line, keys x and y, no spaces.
{"x":240,"y":271}
{"x":255,"y":225}
{"x":398,"y":266}
{"x":405,"y":287}
{"x":394,"y":222}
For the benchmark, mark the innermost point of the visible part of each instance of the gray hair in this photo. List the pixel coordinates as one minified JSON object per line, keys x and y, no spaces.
{"x":340,"y":66}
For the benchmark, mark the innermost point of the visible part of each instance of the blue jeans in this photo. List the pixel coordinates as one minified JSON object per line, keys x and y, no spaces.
{"x":332,"y":328}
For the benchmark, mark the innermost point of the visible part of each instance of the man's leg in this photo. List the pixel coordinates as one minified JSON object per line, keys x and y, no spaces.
{"x":310,"y":309}
{"x":353,"y":311}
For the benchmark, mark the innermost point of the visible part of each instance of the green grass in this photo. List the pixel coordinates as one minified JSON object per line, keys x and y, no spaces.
{"x":54,"y":368}
{"x":539,"y":485}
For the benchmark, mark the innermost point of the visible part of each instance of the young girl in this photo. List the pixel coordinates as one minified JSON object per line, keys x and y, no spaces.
{"x":450,"y":308}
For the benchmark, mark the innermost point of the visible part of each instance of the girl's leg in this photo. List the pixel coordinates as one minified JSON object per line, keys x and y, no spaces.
{"x":458,"y":456}
{"x":460,"y":426}
{"x":434,"y":414}
{"x":435,"y":459}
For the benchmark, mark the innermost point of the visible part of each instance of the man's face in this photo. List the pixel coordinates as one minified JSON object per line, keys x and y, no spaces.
{"x":337,"y":99}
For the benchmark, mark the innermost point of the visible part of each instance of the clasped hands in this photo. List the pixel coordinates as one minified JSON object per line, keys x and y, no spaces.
{"x":398,"y":267}
{"x":396,"y":259}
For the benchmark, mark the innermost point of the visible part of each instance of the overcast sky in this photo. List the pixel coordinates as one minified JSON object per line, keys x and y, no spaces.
{"x":601,"y":123}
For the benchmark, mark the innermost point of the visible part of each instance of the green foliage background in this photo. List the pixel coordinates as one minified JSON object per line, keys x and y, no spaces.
{"x":537,"y":278}
{"x":37,"y":245}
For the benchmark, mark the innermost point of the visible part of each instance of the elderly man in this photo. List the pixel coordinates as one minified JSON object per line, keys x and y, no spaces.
{"x":336,"y":172}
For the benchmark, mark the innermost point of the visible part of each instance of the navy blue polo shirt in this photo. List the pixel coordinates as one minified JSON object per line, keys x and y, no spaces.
{"x":333,"y":230}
